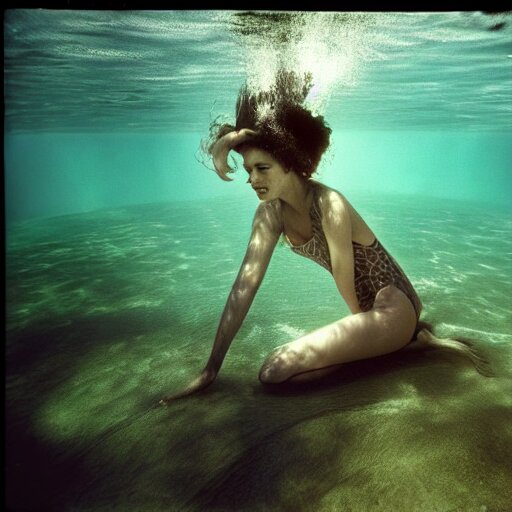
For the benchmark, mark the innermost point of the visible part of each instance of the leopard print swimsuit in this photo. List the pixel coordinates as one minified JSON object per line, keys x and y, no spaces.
{"x":374,"y":267}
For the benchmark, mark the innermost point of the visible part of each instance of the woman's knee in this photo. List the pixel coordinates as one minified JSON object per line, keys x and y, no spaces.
{"x":280,"y":365}
{"x":269,"y":375}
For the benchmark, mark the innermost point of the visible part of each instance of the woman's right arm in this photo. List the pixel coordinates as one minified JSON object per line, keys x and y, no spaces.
{"x":266,"y":229}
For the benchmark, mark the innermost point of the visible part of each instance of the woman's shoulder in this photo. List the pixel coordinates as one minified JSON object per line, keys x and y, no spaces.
{"x":270,"y":212}
{"x":330,"y":199}
{"x":273,"y":205}
{"x":335,"y":207}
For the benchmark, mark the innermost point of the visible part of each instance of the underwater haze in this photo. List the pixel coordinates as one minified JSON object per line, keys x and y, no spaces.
{"x":122,"y":246}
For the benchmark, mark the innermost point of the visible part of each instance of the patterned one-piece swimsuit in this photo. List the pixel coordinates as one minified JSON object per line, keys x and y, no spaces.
{"x":374,"y":267}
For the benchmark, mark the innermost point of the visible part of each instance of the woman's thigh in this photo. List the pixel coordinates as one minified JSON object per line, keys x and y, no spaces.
{"x":387,"y":327}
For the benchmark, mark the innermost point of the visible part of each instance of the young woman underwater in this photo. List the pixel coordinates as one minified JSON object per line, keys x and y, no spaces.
{"x":281,"y":143}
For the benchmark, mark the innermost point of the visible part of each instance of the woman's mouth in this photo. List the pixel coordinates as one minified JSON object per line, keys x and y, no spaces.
{"x":261,"y":190}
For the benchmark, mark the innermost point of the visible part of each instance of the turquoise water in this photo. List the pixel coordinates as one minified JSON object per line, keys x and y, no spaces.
{"x":122,"y":248}
{"x":53,"y":174}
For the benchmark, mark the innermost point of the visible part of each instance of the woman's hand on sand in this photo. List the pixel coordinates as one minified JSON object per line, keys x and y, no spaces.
{"x":201,"y":382}
{"x":224,"y":145}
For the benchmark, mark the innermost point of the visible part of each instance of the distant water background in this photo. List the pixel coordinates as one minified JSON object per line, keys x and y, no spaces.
{"x":122,"y":248}
{"x":108,"y":108}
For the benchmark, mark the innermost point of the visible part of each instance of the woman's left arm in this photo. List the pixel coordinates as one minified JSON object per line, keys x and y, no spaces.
{"x":338,"y":232}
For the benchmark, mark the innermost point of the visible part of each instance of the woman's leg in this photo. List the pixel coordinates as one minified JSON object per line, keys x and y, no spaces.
{"x":387,"y":327}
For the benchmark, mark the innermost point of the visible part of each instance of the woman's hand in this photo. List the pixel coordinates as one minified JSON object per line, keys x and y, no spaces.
{"x":201,"y":382}
{"x":224,"y":145}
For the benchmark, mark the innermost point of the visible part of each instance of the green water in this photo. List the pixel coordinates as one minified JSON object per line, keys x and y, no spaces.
{"x":111,"y":310}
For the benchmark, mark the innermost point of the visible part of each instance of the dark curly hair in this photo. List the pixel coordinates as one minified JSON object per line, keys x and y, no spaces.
{"x":286,"y":129}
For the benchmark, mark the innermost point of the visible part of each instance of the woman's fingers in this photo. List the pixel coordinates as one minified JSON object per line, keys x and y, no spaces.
{"x":204,"y":380}
{"x":181,"y":394}
{"x":222,"y":148}
{"x":246,"y":133}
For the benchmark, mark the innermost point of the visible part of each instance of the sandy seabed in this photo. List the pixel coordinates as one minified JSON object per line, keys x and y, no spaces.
{"x":109,"y":311}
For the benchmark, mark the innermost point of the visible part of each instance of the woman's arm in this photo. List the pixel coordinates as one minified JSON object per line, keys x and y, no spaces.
{"x":266,"y":229}
{"x":264,"y":237}
{"x":223,"y":146}
{"x":338,"y":232}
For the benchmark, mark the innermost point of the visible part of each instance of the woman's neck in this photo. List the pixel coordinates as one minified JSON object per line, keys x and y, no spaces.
{"x":298,"y":198}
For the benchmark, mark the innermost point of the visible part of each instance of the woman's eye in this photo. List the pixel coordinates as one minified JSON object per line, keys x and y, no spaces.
{"x":262,"y":168}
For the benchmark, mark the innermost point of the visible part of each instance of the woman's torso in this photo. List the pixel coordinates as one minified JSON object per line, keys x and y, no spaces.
{"x":374,"y":267}
{"x":300,"y":230}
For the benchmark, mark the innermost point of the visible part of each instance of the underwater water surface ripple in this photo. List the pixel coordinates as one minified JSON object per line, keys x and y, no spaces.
{"x":171,"y":70}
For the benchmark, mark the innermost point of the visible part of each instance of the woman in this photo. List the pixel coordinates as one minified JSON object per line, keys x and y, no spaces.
{"x":282,"y":143}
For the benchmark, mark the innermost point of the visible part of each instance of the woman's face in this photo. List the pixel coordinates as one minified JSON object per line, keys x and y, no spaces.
{"x":266,"y":175}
